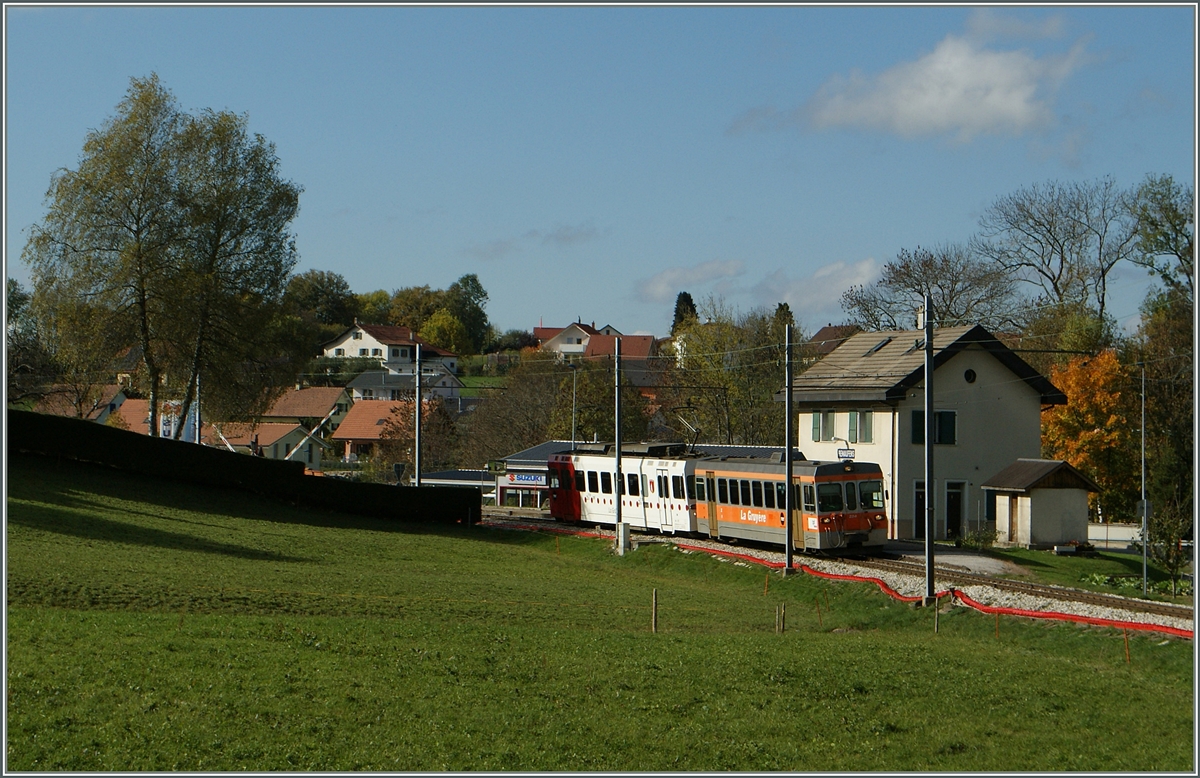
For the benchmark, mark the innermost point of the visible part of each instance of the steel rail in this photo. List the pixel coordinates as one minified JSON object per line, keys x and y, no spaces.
{"x":1037,"y":590}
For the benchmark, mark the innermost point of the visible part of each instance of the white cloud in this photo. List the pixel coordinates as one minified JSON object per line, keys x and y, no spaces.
{"x":562,"y":235}
{"x":666,"y":286}
{"x":815,"y":299}
{"x":985,"y":24}
{"x":958,"y":88}
{"x":965,"y":87}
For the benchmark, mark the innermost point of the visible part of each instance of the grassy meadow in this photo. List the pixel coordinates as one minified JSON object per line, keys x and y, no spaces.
{"x":158,"y":626}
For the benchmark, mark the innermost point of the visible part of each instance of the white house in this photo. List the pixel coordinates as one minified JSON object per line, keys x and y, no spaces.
{"x":867,"y":395}
{"x":574,"y":339}
{"x":394,"y":347}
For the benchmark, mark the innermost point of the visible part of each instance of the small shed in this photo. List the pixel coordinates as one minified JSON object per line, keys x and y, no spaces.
{"x":1039,"y":503}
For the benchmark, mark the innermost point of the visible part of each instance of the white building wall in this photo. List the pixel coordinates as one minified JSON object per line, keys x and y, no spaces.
{"x":1058,"y":516}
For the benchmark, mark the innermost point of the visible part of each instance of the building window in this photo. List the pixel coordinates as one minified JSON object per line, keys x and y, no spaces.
{"x":862,"y":424}
{"x":395,"y":353}
{"x":339,"y":352}
{"x":357,"y":335}
{"x":376,"y":352}
{"x":822,"y":426}
{"x":945,"y":430}
{"x":368,"y":394}
{"x":362,"y":352}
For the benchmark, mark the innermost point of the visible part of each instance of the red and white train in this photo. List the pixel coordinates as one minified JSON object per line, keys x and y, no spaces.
{"x":665,"y":488}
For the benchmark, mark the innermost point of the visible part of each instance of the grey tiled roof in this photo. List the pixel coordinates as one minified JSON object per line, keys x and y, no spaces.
{"x":882,"y":366}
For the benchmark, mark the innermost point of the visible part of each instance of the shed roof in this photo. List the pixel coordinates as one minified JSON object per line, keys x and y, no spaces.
{"x":1026,"y":474}
{"x":883,"y":366}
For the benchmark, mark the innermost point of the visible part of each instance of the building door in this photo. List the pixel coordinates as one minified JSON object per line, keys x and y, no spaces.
{"x":954,"y":509}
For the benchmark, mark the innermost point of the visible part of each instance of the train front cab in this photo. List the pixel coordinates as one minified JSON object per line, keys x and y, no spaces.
{"x":836,"y":506}
{"x":564,"y":500}
{"x":841,"y":507}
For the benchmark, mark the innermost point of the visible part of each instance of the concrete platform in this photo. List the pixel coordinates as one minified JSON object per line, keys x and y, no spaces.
{"x":954,"y":558}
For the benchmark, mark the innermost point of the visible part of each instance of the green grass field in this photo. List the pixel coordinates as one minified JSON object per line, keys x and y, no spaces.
{"x":156,"y":626}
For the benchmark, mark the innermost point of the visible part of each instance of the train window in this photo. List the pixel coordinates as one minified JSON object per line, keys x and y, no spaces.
{"x":851,"y":497}
{"x":663,"y":489}
{"x":553,"y":478}
{"x":722,"y":491}
{"x":606,"y":482}
{"x":579,"y":485}
{"x":745,"y":492}
{"x":633,"y":485}
{"x":756,"y":493}
{"x":781,"y":496}
{"x":593,"y":481}
{"x":810,"y":498}
{"x":871,"y":494}
{"x":699,"y":489}
{"x":829,"y":497}
{"x":620,"y":485}
{"x":769,"y":495}
{"x":691,"y":488}
{"x":677,"y":487}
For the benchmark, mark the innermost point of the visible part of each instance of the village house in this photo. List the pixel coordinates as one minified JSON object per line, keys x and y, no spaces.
{"x":364,"y":425}
{"x":572,"y":340}
{"x":385,"y":385}
{"x":271,"y":440}
{"x":865,"y":399}
{"x":394,"y":347}
{"x":310,"y":406}
{"x":93,"y":403}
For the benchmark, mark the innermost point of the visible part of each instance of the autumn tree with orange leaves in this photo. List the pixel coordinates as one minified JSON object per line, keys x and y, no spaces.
{"x":1097,"y":430}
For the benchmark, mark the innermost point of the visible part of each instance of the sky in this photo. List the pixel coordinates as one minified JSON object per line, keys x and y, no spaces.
{"x":591,"y":162}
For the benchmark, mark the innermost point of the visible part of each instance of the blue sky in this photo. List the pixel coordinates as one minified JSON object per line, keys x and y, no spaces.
{"x":592,"y":162}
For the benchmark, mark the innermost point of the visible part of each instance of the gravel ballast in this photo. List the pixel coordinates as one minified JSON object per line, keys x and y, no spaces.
{"x":908,"y":585}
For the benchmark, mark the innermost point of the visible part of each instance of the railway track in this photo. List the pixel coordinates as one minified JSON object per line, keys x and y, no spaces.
{"x":942,"y":575}
{"x":1066,"y":594}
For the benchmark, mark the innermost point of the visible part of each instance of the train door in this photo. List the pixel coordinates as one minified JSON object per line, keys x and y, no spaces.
{"x":664,"y":494}
{"x":711,"y":493}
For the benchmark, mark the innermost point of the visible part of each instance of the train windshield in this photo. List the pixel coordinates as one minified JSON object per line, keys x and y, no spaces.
{"x":829,"y":497}
{"x":871,"y":494}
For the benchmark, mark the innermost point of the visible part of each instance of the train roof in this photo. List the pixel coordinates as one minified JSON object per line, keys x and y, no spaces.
{"x":683,"y":450}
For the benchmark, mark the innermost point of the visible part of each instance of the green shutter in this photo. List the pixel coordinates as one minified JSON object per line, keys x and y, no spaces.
{"x":816,"y":432}
{"x":853,"y":434}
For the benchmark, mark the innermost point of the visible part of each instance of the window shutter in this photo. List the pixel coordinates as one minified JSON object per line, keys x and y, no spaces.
{"x":816,"y":426}
{"x":853,"y":434}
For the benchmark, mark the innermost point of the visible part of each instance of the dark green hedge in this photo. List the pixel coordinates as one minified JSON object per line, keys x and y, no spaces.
{"x":87,"y":441}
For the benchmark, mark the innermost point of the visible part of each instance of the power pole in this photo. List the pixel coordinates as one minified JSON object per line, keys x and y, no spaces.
{"x":621,"y":530}
{"x":930,"y":491}
{"x":788,"y":432}
{"x":417,"y":420}
{"x":1145,"y":505}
